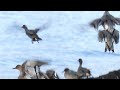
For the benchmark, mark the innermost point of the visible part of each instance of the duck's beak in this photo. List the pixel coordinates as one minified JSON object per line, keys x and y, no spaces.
{"x":14,"y":68}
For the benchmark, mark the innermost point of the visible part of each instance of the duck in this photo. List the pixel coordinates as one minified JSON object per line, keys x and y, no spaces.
{"x":70,"y":74}
{"x":22,"y":72}
{"x":30,"y":63}
{"x":83,"y":72}
{"x":34,"y":64}
{"x":32,"y":34}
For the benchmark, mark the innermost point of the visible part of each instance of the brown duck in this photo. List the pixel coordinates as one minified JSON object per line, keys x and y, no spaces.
{"x":30,"y":63}
{"x":70,"y":74}
{"x":83,"y":72}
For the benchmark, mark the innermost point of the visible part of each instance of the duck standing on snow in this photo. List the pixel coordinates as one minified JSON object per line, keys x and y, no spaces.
{"x":70,"y":74}
{"x":83,"y":72}
{"x":32,"y":34}
{"x":110,"y":36}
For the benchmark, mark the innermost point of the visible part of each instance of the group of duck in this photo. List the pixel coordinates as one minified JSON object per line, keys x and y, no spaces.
{"x":51,"y":74}
{"x":27,"y":73}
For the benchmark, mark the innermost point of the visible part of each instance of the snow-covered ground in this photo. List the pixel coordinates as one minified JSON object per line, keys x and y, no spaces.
{"x":67,"y":37}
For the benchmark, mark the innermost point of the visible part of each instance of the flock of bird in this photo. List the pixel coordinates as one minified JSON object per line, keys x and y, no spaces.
{"x":51,"y":74}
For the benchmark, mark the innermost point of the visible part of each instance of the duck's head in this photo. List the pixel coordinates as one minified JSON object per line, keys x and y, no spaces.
{"x":106,"y":13}
{"x":66,"y":69}
{"x":24,"y":26}
{"x":80,"y":61}
{"x":19,"y":67}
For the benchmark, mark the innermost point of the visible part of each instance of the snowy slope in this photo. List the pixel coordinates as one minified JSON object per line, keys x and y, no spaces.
{"x":66,"y":36}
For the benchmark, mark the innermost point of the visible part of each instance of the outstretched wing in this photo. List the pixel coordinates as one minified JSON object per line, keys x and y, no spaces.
{"x":96,"y":23}
{"x":40,"y":63}
{"x":116,"y":36}
{"x":101,"y":35}
{"x":117,"y":21}
{"x":112,"y":20}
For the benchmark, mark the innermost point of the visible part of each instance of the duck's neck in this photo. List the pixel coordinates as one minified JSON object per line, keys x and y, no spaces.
{"x":26,"y":29}
{"x":80,"y":65}
{"x":22,"y":73}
